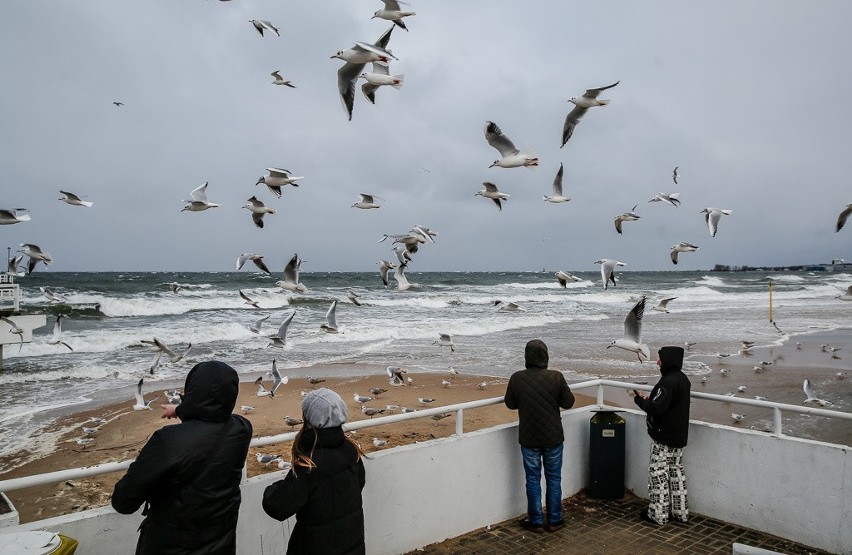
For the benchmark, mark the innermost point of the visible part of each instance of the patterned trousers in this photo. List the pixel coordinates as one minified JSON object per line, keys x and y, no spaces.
{"x":667,"y":484}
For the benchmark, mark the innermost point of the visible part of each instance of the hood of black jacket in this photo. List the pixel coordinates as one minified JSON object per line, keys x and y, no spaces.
{"x":671,"y":359}
{"x":535,"y":354}
{"x":210,"y":392}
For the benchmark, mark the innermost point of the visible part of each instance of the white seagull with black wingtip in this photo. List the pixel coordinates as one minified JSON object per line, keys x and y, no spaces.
{"x":608,"y":270}
{"x":581,"y":106}
{"x":632,"y":339}
{"x":510,"y":157}
{"x":356,"y":58}
{"x":557,"y":195}
{"x":491,"y":192}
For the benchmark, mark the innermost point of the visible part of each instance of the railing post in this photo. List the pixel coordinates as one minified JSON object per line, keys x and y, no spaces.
{"x":600,"y":399}
{"x":776,"y":419}
{"x":459,"y":422}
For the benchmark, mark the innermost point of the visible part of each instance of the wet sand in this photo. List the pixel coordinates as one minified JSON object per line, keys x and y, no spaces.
{"x":126,"y":431}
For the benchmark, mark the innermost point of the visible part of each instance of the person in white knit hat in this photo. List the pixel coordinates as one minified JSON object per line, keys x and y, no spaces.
{"x":323,"y":487}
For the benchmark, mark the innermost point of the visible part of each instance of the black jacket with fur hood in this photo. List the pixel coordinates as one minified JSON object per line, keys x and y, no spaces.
{"x":538,"y":393}
{"x":668,"y":405}
{"x":189,"y":474}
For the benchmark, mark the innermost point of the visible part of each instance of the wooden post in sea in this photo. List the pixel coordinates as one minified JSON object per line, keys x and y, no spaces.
{"x":770,"y":301}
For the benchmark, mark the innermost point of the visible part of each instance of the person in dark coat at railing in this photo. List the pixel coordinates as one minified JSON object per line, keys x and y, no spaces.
{"x":667,"y":409}
{"x":538,"y":394}
{"x":323,"y":487}
{"x":188,"y":475}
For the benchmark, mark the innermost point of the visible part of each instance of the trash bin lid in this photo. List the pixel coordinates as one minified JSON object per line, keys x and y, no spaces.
{"x":36,"y":542}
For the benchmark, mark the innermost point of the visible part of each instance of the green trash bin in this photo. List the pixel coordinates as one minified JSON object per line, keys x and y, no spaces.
{"x":606,"y":455}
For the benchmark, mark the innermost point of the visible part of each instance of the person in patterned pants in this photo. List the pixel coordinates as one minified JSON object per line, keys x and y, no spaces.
{"x":667,"y":410}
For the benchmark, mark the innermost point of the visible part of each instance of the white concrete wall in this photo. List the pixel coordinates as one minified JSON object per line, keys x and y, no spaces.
{"x":424,"y":493}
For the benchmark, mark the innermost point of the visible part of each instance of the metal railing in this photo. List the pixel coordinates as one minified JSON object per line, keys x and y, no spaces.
{"x":458,"y":409}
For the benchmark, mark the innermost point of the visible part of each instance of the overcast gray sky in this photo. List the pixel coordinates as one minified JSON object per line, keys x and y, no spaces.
{"x":750,"y":99}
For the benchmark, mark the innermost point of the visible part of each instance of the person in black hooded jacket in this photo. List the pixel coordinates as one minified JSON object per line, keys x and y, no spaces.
{"x":667,"y":419}
{"x":323,"y":487}
{"x":188,"y":475}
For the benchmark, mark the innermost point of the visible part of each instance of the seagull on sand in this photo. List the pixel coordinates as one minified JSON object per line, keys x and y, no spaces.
{"x":370,"y":411}
{"x":18,"y":215}
{"x":557,"y":195}
{"x":384,"y":266}
{"x":36,"y":254}
{"x":444,"y":340}
{"x":841,"y":219}
{"x":255,"y":327}
{"x":712,"y":217}
{"x":246,"y":409}
{"x":379,"y":442}
{"x":258,"y":210}
{"x":663,"y":303}
{"x":140,"y":403}
{"x":581,"y":106}
{"x":446,"y":383}
{"x":737,"y":417}
{"x":380,"y":76}
{"x":425,"y":400}
{"x":292,"y":422}
{"x":675,"y":175}
{"x":74,"y":200}
{"x":356,"y":58}
{"x":361,"y":399}
{"x":331,"y":319}
{"x":377,"y":391}
{"x":510,"y":157}
{"x":280,"y":80}
{"x":631,"y":216}
{"x":393,"y":12}
{"x":395,"y":375}
{"x":632,"y":339}
{"x":267,"y":459}
{"x":481,"y":385}
{"x":402,"y":283}
{"x":197,"y":201}
{"x":670,"y":198}
{"x":248,"y":300}
{"x":256,"y":258}
{"x":491,"y":192}
{"x":280,"y":338}
{"x":162,"y":347}
{"x":564,"y":277}
{"x":14,"y":330}
{"x":262,"y":24}
{"x":276,"y":179}
{"x":366,"y":202}
{"x":812,"y":398}
{"x":679,"y":248}
{"x":608,"y":270}
{"x":291,"y":276}
{"x":56,"y":338}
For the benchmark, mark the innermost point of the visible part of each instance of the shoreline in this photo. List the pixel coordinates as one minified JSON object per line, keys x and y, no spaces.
{"x":127,"y":431}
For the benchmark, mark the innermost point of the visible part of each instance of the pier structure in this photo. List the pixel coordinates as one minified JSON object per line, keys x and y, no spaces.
{"x":15,"y":328}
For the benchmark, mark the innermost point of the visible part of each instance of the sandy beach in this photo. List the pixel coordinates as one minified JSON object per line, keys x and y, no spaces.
{"x":126,"y":431}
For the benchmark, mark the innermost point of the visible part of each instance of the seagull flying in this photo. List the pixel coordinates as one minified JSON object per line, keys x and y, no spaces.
{"x":668,"y":198}
{"x":712,"y":217}
{"x":291,"y":276}
{"x":631,"y":216}
{"x":255,"y":327}
{"x":491,"y":192}
{"x":248,"y":300}
{"x":402,"y":283}
{"x":393,"y":12}
{"x":261,"y":25}
{"x":557,"y":195}
{"x":378,"y":77}
{"x":356,"y":58}
{"x":841,"y":219}
{"x":395,"y":375}
{"x":366,"y":202}
{"x":331,"y":319}
{"x":140,"y":403}
{"x":74,"y":200}
{"x":50,"y":295}
{"x":632,"y":340}
{"x":353,"y":297}
{"x":258,"y":210}
{"x":280,"y":338}
{"x":564,"y":277}
{"x":198,"y":200}
{"x":276,"y":179}
{"x":812,"y":398}
{"x":256,"y":258}
{"x":35,"y":254}
{"x":162,"y":347}
{"x":14,"y":330}
{"x":510,"y":157}
{"x":56,"y":338}
{"x":18,"y":215}
{"x":608,"y":270}
{"x":663,"y":303}
{"x":681,"y":247}
{"x":581,"y":106}
{"x":675,"y":175}
{"x":384,"y":266}
{"x":445,"y":341}
{"x":280,"y":80}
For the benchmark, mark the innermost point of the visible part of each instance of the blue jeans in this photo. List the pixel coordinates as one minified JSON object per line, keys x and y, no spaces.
{"x":552,"y":458}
